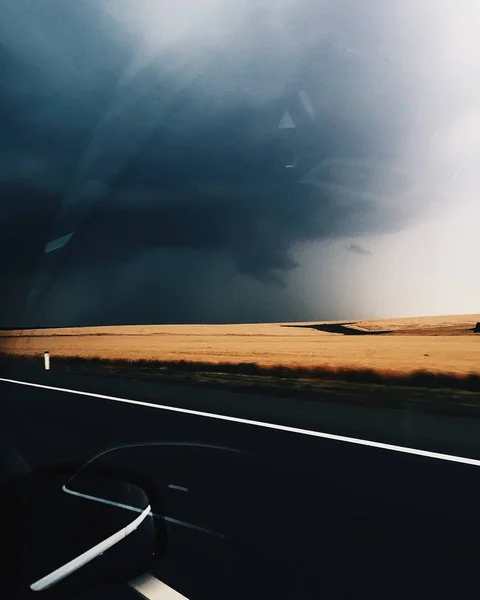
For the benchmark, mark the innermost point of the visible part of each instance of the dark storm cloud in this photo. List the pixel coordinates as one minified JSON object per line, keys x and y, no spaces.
{"x":185,"y":138}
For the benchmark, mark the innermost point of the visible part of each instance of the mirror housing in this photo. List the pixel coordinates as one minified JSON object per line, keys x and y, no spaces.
{"x":61,"y":541}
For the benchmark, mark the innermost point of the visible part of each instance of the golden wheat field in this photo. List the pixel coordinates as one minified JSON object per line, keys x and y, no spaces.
{"x":436,"y":344}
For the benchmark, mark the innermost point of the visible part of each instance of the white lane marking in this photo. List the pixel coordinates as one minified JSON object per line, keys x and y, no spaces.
{"x":84,"y":558}
{"x":180,"y":488}
{"x":190,"y":526}
{"x":139,"y":510}
{"x":152,"y":588}
{"x":101,"y":500}
{"x":58,"y":243}
{"x":318,"y":434}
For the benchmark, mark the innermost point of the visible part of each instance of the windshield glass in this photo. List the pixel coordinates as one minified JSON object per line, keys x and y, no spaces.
{"x":238,"y":244}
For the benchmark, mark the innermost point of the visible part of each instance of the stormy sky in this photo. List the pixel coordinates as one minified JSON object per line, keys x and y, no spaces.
{"x":239,"y":161}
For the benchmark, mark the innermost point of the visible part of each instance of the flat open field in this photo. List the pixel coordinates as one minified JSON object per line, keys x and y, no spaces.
{"x":435,"y":344}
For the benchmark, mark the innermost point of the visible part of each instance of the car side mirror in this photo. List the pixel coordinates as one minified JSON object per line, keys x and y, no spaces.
{"x":66,"y":534}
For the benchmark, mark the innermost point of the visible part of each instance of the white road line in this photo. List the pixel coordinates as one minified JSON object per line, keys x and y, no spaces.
{"x":139,"y":510}
{"x":188,"y":525}
{"x":101,"y":500}
{"x":275,"y":426}
{"x":151,"y":588}
{"x":84,"y":558}
{"x":177,"y":487}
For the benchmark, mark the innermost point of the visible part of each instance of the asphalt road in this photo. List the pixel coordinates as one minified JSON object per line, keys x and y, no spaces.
{"x":265,"y":513}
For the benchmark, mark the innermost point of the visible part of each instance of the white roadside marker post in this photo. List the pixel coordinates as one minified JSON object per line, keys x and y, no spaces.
{"x":46,"y":360}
